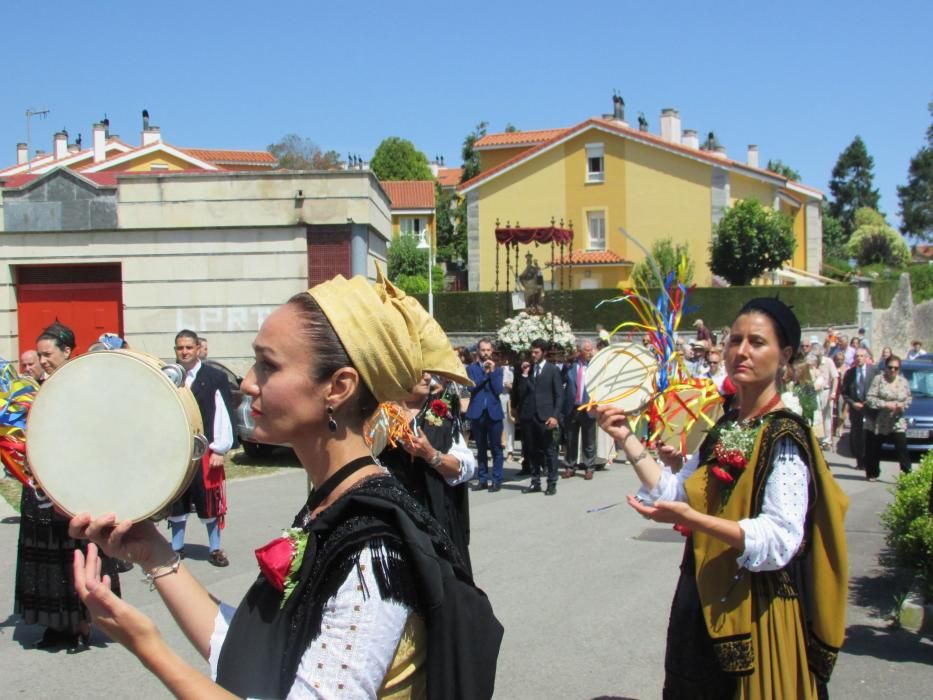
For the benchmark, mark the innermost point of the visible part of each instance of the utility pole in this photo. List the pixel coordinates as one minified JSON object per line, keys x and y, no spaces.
{"x":30,"y":113}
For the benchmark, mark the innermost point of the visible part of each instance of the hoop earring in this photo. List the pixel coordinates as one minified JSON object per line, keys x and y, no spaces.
{"x":331,"y":423}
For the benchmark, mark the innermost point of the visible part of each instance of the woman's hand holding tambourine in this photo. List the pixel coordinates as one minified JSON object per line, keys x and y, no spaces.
{"x":139,"y":543}
{"x":118,"y":619}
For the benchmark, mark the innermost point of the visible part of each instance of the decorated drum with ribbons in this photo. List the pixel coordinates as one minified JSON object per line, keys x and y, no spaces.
{"x":622,"y":375}
{"x":115,"y":431}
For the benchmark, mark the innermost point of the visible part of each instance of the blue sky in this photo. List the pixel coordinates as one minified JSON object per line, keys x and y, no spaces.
{"x":800,"y":79}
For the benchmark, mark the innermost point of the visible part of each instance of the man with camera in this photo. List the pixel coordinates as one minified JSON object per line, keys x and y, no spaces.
{"x":485,"y":415}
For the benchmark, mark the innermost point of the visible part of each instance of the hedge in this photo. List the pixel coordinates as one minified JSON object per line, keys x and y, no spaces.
{"x":468,"y":312}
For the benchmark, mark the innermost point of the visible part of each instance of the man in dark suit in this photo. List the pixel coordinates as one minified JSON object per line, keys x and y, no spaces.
{"x":485,"y":415}
{"x":580,"y":426}
{"x":538,"y":393}
{"x":855,"y":385}
{"x":206,"y":492}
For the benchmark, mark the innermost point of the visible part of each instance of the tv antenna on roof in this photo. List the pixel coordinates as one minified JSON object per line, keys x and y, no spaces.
{"x":30,"y":113}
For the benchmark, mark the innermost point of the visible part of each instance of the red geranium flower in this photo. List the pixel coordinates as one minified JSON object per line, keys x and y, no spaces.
{"x":275,"y":559}
{"x":721,"y":474}
{"x":439,"y":408}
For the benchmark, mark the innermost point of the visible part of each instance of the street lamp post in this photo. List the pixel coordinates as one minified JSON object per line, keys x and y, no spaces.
{"x":425,"y":244}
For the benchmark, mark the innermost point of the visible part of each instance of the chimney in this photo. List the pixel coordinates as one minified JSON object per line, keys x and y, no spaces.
{"x":670,"y":125}
{"x":151,"y":135}
{"x":753,"y":155}
{"x":60,"y":145}
{"x":22,"y":153}
{"x":74,"y":148}
{"x":100,"y":142}
{"x":691,"y":139}
{"x":720,"y":152}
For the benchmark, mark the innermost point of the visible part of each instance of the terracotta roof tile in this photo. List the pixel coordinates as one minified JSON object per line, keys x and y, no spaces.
{"x":449,"y":177}
{"x":410,"y":194}
{"x":593,"y":257}
{"x":225,"y":156}
{"x":517,"y":138}
{"x":105,"y":179}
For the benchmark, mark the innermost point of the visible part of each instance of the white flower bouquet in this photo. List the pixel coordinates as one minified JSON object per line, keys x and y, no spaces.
{"x":518,"y":332}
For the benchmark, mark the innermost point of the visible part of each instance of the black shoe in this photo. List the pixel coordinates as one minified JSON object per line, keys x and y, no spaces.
{"x":180,"y":553}
{"x":551,"y":490}
{"x":79,"y":642}
{"x":481,"y":486}
{"x":51,"y":639}
{"x":524,"y":472}
{"x":534,"y":488}
{"x":495,"y":487}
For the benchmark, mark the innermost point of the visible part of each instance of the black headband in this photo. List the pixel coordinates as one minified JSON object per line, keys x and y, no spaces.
{"x":788,"y":326}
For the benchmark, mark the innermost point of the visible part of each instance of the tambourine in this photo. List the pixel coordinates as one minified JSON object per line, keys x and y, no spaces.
{"x":687,"y":415}
{"x":622,"y":375}
{"x":112,"y":432}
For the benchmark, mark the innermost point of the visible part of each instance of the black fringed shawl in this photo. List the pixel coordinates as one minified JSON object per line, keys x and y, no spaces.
{"x":422,"y":570}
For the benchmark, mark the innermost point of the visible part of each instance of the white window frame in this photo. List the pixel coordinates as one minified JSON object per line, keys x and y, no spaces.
{"x":597,"y":152}
{"x":591,"y":243}
{"x":411,"y":225}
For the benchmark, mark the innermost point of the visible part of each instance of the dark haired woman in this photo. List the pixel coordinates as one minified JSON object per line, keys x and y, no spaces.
{"x":889,"y":396}
{"x":44,"y":589}
{"x":759,"y":609}
{"x":368,"y":597}
{"x":436,"y":463}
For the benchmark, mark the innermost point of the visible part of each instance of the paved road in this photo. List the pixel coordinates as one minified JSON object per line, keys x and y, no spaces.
{"x":584,"y":596}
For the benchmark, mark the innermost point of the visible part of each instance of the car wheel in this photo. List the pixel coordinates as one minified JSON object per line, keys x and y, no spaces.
{"x":256,"y":450}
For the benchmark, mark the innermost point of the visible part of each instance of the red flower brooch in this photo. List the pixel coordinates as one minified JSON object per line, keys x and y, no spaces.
{"x":281,"y":559}
{"x":437,"y":412}
{"x":732,"y":451}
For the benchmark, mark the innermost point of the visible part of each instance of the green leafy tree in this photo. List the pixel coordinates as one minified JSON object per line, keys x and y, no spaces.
{"x":875,"y":242}
{"x":834,"y":237}
{"x":667,"y":257}
{"x":750,"y":240}
{"x":510,"y":128}
{"x":916,"y":197}
{"x":852,"y":184}
{"x":470,"y":156}
{"x":398,"y":159}
{"x":296,"y":152}
{"x":782,"y":168}
{"x":407,"y":267}
{"x":451,"y":246}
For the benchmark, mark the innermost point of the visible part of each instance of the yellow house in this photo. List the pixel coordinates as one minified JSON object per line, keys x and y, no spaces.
{"x":601,"y":176}
{"x":412,"y":206}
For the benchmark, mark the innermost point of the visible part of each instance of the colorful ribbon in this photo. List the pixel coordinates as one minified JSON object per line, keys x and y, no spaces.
{"x":16,"y":396}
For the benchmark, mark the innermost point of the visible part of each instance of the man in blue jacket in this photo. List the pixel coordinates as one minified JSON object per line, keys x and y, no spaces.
{"x":485,"y":415}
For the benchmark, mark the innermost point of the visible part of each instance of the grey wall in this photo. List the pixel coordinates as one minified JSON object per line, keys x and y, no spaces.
{"x":60,"y":202}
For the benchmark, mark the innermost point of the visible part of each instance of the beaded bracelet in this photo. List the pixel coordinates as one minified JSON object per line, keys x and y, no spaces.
{"x":171,"y":568}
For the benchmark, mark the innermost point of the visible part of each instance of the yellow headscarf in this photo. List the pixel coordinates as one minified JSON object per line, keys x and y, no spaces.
{"x":378,"y":333}
{"x":438,"y":355}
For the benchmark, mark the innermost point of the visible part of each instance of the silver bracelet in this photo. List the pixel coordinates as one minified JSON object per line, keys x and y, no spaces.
{"x":170,"y":568}
{"x":644,"y":453}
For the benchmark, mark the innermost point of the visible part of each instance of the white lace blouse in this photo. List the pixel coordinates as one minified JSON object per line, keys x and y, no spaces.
{"x":360,"y":633}
{"x":773,"y":537}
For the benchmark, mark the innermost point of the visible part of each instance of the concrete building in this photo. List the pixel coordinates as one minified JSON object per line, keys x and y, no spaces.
{"x":145,"y":254}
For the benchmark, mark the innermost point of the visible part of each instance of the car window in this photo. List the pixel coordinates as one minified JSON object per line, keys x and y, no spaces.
{"x":920,"y":380}
{"x":232,"y":379}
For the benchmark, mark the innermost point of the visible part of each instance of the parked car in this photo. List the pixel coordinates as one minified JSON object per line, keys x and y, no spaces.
{"x":242,"y":417}
{"x":919,"y":375}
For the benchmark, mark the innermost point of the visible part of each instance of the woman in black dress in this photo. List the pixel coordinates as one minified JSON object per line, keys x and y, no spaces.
{"x":44,"y":589}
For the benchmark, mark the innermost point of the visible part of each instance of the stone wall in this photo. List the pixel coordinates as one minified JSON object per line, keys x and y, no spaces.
{"x":895,"y":326}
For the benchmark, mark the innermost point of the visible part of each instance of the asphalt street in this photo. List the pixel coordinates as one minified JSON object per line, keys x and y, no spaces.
{"x":580,"y":582}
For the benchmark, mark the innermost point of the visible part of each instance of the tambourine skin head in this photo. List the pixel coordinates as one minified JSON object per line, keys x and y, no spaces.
{"x":110,"y":433}
{"x":622,"y":375}
{"x":683,"y":427}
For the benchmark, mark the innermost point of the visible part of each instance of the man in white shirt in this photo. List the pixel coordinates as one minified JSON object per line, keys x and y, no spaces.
{"x":206,"y":493}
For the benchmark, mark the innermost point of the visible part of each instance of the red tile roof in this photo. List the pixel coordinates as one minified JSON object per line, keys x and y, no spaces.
{"x":105,"y":179}
{"x":517,"y":138}
{"x":593,"y":257}
{"x":449,"y":177}
{"x":410,"y":194}
{"x":225,"y":156}
{"x":558,"y":134}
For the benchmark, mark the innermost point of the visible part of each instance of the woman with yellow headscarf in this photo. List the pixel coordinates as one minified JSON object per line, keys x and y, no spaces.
{"x":759,"y":610}
{"x":365,"y":595}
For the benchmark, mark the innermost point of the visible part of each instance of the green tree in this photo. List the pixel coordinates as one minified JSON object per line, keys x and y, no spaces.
{"x":510,"y":128}
{"x":407,"y":267}
{"x":750,"y":240}
{"x":398,"y":159}
{"x":916,"y":197}
{"x":875,"y":242}
{"x":834,"y":237}
{"x":852,"y":184}
{"x":451,"y":245}
{"x":470,"y":156}
{"x":296,"y":152}
{"x":667,"y":257}
{"x":782,"y":168}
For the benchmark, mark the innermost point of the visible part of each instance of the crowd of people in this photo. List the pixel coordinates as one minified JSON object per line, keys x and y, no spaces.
{"x":378,"y":598}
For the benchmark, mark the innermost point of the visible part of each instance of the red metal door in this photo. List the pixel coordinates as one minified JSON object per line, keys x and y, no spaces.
{"x":86,"y":298}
